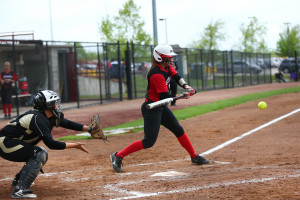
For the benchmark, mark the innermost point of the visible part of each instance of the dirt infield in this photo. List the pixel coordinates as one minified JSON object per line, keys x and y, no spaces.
{"x":254,"y":162}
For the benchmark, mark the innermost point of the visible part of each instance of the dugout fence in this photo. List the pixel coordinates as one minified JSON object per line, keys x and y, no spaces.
{"x":90,"y":73}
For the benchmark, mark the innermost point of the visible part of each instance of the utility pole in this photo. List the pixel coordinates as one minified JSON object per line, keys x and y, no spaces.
{"x":165,"y":19}
{"x":288,"y":32}
{"x":155,"y":37}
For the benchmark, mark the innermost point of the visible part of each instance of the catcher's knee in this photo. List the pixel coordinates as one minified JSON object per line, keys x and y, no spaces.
{"x":32,"y":168}
{"x":41,"y":155}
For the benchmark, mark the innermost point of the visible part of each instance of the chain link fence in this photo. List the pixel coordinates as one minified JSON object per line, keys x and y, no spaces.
{"x":89,"y":73}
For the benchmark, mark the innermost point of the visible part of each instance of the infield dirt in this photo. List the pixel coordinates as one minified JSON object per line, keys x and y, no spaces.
{"x":263,"y":165}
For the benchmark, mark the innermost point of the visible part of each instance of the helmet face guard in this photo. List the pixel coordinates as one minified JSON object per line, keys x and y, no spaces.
{"x":48,"y":100}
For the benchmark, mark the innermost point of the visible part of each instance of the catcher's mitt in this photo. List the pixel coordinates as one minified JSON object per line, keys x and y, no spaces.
{"x":95,"y":128}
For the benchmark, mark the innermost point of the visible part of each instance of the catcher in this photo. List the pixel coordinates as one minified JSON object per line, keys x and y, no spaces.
{"x":18,"y":139}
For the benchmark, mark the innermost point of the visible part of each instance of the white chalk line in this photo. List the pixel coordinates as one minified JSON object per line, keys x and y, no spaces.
{"x":248,"y":133}
{"x":204,"y":153}
{"x":135,"y":194}
{"x":139,"y":194}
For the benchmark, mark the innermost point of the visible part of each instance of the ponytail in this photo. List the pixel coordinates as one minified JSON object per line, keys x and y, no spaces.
{"x":153,"y":65}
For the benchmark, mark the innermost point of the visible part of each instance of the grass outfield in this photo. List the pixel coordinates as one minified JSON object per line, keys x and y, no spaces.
{"x":194,"y":111}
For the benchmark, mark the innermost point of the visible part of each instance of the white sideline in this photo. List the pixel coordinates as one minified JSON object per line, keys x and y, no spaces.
{"x":136,"y":194}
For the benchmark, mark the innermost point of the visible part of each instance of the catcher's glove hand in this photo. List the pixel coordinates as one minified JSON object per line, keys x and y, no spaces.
{"x":95,"y":128}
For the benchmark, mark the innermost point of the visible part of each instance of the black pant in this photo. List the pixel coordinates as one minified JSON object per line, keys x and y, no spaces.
{"x":155,"y":117}
{"x":15,"y":150}
{"x":6,"y":95}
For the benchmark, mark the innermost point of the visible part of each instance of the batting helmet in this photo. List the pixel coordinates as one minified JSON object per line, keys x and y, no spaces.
{"x":47,"y":100}
{"x":163,"y":51}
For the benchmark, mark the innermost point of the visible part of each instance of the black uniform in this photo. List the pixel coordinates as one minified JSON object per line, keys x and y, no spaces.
{"x":7,"y":90}
{"x":158,"y":85}
{"x":18,"y":138}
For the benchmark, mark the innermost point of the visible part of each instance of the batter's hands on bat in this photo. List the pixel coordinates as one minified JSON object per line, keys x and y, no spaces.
{"x":190,"y":90}
{"x":187,"y":95}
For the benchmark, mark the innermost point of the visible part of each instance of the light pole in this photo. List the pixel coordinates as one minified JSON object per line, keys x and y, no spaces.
{"x":165,"y":19}
{"x":288,"y":32}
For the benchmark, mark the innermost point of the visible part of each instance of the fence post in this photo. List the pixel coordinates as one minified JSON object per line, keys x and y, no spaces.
{"x":120,"y":72}
{"x":16,"y":85}
{"x":187,"y":61}
{"x":201,"y":68}
{"x":99,"y":65}
{"x":107,"y":74}
{"x":128,"y":72}
{"x":133,"y":62}
{"x":297,"y":66}
{"x":223,"y":66}
{"x":77,"y":85}
{"x":232,"y":72}
{"x":48,"y":66}
{"x":196,"y":71}
{"x":213,"y":68}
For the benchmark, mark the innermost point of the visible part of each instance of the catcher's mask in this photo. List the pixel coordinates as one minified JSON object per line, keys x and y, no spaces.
{"x":48,"y":100}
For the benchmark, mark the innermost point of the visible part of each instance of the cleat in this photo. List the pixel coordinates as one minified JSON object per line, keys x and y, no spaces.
{"x":23,"y":194}
{"x":199,"y":160}
{"x":116,"y":162}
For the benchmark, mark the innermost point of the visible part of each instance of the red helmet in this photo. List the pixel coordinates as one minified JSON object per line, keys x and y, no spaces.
{"x":163,"y":51}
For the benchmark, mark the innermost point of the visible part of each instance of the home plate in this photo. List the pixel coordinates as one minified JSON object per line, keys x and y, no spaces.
{"x":169,"y":173}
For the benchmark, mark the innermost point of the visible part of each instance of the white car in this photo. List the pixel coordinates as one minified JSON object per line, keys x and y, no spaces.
{"x":275,"y":62}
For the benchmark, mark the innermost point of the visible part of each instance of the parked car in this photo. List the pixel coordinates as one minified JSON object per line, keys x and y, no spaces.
{"x":245,"y":67}
{"x":289,"y":65}
{"x":275,"y":62}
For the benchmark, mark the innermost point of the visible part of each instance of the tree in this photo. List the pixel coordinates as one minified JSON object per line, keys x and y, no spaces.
{"x":289,"y":41}
{"x":127,"y":26}
{"x":211,"y":36}
{"x":106,"y":29}
{"x":252,"y":36}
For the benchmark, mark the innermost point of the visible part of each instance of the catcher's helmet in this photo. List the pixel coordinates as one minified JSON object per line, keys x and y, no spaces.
{"x":163,"y":51}
{"x":47,"y":100}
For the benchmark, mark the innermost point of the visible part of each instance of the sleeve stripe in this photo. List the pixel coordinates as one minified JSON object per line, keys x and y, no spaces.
{"x":37,"y":125}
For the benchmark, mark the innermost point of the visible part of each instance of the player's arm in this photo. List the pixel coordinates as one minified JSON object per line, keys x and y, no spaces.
{"x":158,"y":82}
{"x":180,"y":81}
{"x":68,"y":124}
{"x":40,"y":126}
{"x":1,"y":79}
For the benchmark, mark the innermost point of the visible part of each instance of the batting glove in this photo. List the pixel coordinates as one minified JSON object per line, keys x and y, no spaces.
{"x":190,"y":90}
{"x":187,"y":95}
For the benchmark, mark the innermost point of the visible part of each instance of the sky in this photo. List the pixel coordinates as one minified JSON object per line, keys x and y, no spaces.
{"x":78,"y":20}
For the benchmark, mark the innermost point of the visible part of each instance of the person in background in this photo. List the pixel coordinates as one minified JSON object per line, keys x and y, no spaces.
{"x":279,"y":77}
{"x":7,"y":78}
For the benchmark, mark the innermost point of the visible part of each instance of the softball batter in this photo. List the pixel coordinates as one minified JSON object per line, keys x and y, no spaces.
{"x":158,"y":78}
{"x":19,"y":138}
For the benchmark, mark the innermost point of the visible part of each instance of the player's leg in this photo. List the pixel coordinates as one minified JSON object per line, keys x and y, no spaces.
{"x":29,"y":172}
{"x":169,"y":121}
{"x":151,"y":128}
{"x":9,"y":102}
{"x":35,"y":158}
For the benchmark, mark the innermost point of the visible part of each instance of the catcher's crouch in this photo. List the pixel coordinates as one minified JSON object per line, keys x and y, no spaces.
{"x":18,"y":140}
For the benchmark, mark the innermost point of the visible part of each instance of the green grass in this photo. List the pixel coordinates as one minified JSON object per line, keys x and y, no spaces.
{"x":202,"y":109}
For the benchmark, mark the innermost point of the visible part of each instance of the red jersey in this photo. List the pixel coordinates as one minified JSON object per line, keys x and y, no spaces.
{"x":159,"y":81}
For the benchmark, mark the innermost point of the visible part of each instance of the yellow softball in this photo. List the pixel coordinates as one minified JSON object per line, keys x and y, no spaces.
{"x":262,"y":105}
